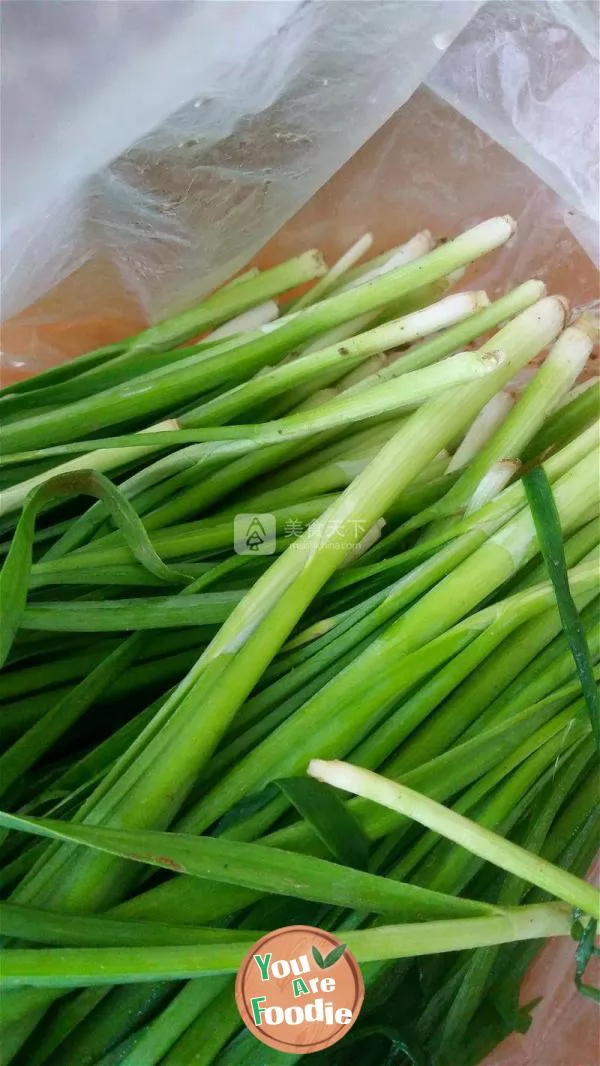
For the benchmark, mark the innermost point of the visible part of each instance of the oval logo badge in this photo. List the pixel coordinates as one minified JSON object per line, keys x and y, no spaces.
{"x":299,"y":989}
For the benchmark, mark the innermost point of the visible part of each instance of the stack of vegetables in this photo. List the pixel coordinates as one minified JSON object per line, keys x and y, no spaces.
{"x":418,"y":602}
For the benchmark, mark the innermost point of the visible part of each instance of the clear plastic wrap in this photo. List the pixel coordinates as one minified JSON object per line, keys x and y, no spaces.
{"x":174,"y":139}
{"x":527,"y":74}
{"x":152,"y":148}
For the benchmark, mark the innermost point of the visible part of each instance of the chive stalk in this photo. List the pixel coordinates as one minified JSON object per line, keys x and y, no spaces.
{"x":247,"y":322}
{"x":100,"y":966}
{"x":230,"y":301}
{"x":449,"y":341}
{"x":361,"y":346}
{"x":413,"y":249}
{"x":190,"y":376}
{"x":337,"y":271}
{"x":493,"y":415}
{"x":412,"y":390}
{"x":460,"y":830}
{"x":560,"y":369}
{"x":140,"y":351}
{"x":507,"y":502}
{"x":461,"y":589}
{"x":419,"y":323}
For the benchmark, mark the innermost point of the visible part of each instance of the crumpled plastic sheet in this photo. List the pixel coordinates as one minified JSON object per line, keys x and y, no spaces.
{"x":527,"y":74}
{"x":224,"y":118}
{"x":152,"y":148}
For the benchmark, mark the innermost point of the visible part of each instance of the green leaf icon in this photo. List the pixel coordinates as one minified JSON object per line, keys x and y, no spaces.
{"x":316,"y":954}
{"x":333,"y":956}
{"x":329,"y":960}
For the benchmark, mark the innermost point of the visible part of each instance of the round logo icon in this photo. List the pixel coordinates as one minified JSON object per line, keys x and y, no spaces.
{"x":299,"y":989}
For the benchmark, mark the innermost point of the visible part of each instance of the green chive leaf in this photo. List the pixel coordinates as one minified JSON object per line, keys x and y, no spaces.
{"x":14,"y":577}
{"x":548,"y":528}
{"x":330,"y":818}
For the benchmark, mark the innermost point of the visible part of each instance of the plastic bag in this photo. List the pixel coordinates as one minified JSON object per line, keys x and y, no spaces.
{"x":527,"y":74}
{"x":222,"y":119}
{"x":152,"y":148}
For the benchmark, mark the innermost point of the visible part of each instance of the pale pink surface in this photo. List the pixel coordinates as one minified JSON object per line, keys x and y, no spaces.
{"x":565,"y":1030}
{"x":566,"y":1026}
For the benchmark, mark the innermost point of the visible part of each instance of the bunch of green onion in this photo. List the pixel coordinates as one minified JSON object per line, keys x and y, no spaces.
{"x":421,"y":631}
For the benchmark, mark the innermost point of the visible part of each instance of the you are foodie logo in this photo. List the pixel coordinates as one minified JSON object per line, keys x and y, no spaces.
{"x":299,"y":989}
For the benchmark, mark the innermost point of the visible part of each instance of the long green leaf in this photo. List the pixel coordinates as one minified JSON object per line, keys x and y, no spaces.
{"x":51,"y":968}
{"x":14,"y":577}
{"x":125,"y":574}
{"x":115,"y":616}
{"x":548,"y":529}
{"x":255,"y":866}
{"x":71,"y":930}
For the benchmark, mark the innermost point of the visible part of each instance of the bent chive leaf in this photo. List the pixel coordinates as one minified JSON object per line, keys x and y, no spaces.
{"x":330,"y":818}
{"x":14,"y":576}
{"x":548,"y":528}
